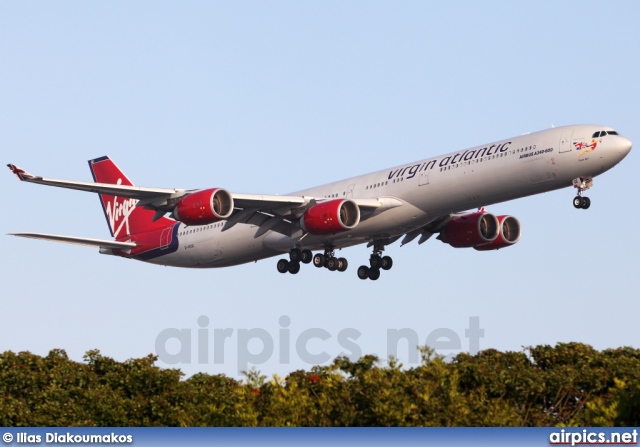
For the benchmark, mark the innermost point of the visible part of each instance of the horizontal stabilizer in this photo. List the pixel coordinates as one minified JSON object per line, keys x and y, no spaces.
{"x":79,"y":241}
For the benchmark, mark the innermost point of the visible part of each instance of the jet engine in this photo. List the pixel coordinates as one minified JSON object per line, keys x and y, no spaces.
{"x":509,"y":234}
{"x":331,"y":217}
{"x":204,"y":207}
{"x":471,"y":230}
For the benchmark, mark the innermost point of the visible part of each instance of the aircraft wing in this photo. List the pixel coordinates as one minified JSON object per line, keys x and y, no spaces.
{"x":78,"y":241}
{"x":268,"y":212}
{"x":278,"y":213}
{"x":131,"y":192}
{"x":151,"y":196}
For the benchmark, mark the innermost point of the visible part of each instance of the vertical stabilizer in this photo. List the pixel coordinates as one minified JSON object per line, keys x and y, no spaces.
{"x":123,"y":217}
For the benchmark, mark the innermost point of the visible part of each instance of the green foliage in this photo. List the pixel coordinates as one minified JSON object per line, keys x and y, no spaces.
{"x":567,"y":384}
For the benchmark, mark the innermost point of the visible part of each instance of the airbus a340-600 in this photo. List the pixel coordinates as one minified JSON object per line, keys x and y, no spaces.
{"x":217,"y":228}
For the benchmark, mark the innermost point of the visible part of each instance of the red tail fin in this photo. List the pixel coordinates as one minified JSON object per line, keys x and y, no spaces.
{"x":123,"y":217}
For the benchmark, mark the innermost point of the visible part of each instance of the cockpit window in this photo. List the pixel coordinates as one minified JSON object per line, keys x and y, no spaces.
{"x":602,"y":133}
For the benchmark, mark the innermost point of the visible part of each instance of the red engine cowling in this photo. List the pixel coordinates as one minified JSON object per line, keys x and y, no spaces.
{"x":509,"y":234}
{"x":204,"y":207}
{"x":331,"y":217}
{"x":470,"y":230}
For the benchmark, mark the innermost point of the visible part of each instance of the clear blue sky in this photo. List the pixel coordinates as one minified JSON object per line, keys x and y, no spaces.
{"x":272,"y":97}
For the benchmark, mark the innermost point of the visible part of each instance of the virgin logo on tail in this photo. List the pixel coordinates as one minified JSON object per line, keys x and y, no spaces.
{"x":118,"y":212}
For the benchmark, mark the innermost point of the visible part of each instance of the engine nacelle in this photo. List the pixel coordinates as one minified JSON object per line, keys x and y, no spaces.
{"x":331,"y":217}
{"x":470,"y":230}
{"x":204,"y":207}
{"x":509,"y":234}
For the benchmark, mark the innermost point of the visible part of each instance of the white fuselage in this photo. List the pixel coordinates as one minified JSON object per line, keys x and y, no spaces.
{"x":500,"y":171}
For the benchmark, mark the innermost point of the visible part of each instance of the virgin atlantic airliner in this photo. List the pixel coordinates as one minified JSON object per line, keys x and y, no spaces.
{"x":217,"y":228}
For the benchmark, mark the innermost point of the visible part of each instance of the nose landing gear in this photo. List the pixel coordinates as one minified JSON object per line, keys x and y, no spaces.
{"x":582,"y":184}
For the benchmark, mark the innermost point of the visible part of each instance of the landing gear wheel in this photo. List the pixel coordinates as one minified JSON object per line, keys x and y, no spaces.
{"x":318,"y":260}
{"x":386,"y":263}
{"x":294,"y":267}
{"x":577,"y":202}
{"x":332,"y":264}
{"x":582,"y":202}
{"x":283,"y":266}
{"x":363,"y":272}
{"x":375,"y":261}
{"x":306,"y":256}
{"x":374,"y":274}
{"x":342,"y":264}
{"x":295,"y":255}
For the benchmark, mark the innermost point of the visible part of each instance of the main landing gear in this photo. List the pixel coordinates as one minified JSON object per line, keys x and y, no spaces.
{"x":376,"y":263}
{"x":582,"y":184}
{"x":297,"y":256}
{"x":329,"y":261}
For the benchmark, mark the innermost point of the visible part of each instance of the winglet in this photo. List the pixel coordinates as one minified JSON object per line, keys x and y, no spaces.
{"x":20,"y":173}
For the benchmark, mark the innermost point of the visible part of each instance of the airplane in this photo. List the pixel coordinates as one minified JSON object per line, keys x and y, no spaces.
{"x":443,"y":195}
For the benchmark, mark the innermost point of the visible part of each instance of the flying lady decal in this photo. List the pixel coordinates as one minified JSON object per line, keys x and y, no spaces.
{"x":585,"y":148}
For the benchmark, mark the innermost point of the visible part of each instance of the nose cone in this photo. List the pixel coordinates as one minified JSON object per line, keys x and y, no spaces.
{"x":624,"y":146}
